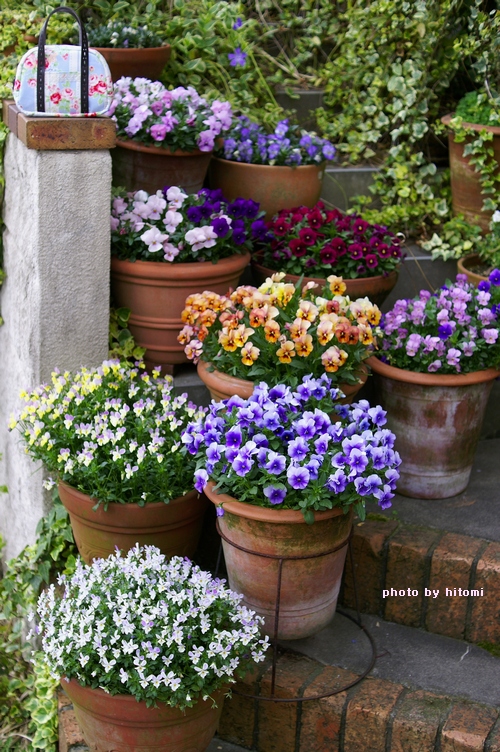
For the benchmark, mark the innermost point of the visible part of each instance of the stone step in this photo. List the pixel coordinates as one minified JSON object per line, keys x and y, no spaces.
{"x":426,"y":693}
{"x":451,"y":546}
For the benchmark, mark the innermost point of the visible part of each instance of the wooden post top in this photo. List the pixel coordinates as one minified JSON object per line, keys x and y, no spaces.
{"x":59,"y":133}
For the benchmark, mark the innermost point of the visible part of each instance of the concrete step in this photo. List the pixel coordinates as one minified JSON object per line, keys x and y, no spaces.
{"x":426,"y":693}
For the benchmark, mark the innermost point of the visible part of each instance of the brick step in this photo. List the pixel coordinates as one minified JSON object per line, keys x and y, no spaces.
{"x":427,"y":693}
{"x":459,"y":554}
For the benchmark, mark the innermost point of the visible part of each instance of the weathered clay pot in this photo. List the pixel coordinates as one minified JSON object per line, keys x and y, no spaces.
{"x":309,"y":587}
{"x":141,"y":62}
{"x":222,"y":386}
{"x":463,"y":268}
{"x":151,"y":168}
{"x":274,"y":187}
{"x":375,"y":289}
{"x":175,"y":528}
{"x":118,"y":723}
{"x":156,"y":292}
{"x":467,"y":198}
{"x":437,"y":420}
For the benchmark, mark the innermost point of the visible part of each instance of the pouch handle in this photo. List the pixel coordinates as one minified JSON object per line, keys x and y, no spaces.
{"x":84,"y":63}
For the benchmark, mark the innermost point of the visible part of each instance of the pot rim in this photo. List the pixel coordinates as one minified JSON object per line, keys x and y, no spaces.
{"x":228,"y":379}
{"x":359,"y":280}
{"x":85,"y":498}
{"x":431,"y":379}
{"x":495,"y":129}
{"x":84,"y":691}
{"x":310,"y":167}
{"x":161,"y":151}
{"x":464,"y":260}
{"x":128,"y":50}
{"x":154,"y":269}
{"x":262,"y":514}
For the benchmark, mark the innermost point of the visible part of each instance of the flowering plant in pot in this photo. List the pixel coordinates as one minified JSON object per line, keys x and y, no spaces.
{"x":285,"y":470}
{"x":120,"y":34}
{"x":168,"y":245}
{"x":317,"y":242}
{"x":111,"y":437}
{"x":177,"y":125}
{"x":439,"y":355}
{"x":280,"y":169}
{"x":146,"y":649}
{"x":279,"y":332}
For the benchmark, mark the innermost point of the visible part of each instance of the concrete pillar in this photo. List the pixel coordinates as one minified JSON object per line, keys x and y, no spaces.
{"x":54,"y":301}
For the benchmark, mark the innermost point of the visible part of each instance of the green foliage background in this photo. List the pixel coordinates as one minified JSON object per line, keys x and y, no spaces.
{"x":390,"y":70}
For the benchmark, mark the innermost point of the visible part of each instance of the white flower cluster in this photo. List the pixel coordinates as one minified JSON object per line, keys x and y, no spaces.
{"x":141,"y":625}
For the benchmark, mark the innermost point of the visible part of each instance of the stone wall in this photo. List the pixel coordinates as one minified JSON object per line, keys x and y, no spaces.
{"x":54,"y":301}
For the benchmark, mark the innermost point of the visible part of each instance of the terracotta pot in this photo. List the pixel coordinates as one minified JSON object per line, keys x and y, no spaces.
{"x":309,"y":587}
{"x":222,"y":386}
{"x":467,"y":198}
{"x":437,"y":420}
{"x":156,"y":292}
{"x":174,"y":527}
{"x":274,"y":187}
{"x":375,"y":288}
{"x":463,"y":268}
{"x":151,"y":168}
{"x":118,"y":723}
{"x":143,"y":62}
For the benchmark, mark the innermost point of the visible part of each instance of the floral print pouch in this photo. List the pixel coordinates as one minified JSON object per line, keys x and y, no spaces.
{"x":49,"y":77}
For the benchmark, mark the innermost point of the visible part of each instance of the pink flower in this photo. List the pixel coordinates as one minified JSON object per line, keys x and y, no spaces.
{"x":158,"y":131}
{"x":490,"y":335}
{"x":154,"y":239}
{"x":434,"y":366}
{"x":206,"y":140}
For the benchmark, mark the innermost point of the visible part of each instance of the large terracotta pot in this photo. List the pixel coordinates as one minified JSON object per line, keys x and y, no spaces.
{"x":274,"y":187}
{"x":156,"y":293}
{"x":118,"y":723}
{"x":175,"y":528}
{"x":151,"y":168}
{"x":437,"y":420}
{"x":375,"y":288}
{"x":463,"y":265}
{"x":309,"y":586}
{"x":222,"y":386}
{"x":142,"y":62}
{"x":467,"y":198}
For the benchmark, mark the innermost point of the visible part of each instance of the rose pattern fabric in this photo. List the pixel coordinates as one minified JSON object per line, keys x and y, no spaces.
{"x":62,"y":82}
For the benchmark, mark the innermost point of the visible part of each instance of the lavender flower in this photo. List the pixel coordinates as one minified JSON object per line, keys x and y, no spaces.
{"x":238,"y":58}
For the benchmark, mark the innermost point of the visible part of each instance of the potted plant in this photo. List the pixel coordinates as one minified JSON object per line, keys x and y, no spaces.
{"x":318,"y":242}
{"x":474,"y":144}
{"x":111,"y":435}
{"x":169,"y":245}
{"x":130,"y":51}
{"x":478,"y":266}
{"x":146,"y":649}
{"x":285,"y":470}
{"x":164,"y":137}
{"x":281,"y":169}
{"x":279,"y":333}
{"x":437,"y":361}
